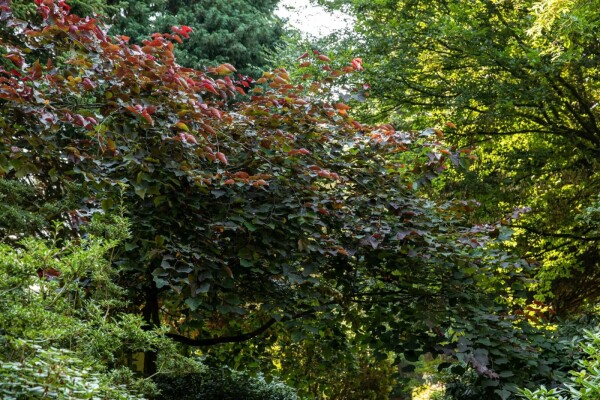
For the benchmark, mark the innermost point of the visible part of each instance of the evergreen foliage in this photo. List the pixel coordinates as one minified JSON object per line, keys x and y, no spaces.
{"x":64,"y":327}
{"x":239,"y":32}
{"x":584,"y":381}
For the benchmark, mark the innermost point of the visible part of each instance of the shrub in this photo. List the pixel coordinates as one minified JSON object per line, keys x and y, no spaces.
{"x":583,"y":384}
{"x":222,"y":384}
{"x":35,"y":372}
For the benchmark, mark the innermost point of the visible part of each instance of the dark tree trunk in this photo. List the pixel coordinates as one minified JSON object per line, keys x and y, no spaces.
{"x":152,"y":319}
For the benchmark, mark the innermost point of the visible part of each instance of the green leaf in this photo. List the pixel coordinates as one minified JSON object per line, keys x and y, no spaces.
{"x":140,"y":190}
{"x":203,"y":287}
{"x":249,"y":226}
{"x":107,"y":204}
{"x":297,"y":336}
{"x":246,"y":263}
{"x":504,"y":394}
{"x":193,"y":303}
{"x":160,"y":282}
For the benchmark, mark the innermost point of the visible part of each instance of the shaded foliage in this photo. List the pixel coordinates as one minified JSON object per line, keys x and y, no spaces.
{"x":220,"y":383}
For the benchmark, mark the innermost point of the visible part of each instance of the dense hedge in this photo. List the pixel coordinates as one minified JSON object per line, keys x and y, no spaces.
{"x":222,"y":384}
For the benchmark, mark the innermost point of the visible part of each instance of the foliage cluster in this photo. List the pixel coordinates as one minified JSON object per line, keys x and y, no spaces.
{"x":239,"y":32}
{"x":583,"y":382}
{"x":62,"y":328}
{"x":221,"y":383}
{"x":517,"y":81}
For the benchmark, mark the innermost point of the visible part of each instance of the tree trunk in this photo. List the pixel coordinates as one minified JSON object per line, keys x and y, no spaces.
{"x":152,"y":320}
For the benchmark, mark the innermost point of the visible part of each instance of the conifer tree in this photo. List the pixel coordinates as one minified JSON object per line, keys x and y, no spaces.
{"x":232,"y":31}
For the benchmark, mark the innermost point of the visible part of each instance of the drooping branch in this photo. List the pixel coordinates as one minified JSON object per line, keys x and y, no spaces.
{"x":241,"y":337}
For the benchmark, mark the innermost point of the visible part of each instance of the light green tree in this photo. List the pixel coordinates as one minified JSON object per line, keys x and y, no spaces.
{"x":518,"y":79}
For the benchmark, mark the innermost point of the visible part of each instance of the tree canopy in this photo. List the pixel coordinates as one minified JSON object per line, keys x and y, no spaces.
{"x":518,"y":80}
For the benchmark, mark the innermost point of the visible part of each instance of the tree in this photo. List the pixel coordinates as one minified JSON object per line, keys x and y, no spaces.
{"x":252,"y":215}
{"x":237,"y":32}
{"x":518,"y":79}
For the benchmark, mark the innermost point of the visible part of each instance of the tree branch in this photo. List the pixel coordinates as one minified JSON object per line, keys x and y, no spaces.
{"x":559,"y":235}
{"x":241,"y":337}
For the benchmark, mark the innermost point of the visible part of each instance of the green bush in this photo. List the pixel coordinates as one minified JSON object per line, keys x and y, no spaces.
{"x":36,"y":372}
{"x":65,"y":329}
{"x":221,"y":384}
{"x":583,"y":384}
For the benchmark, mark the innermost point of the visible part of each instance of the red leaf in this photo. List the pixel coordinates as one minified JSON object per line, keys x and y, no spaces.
{"x":64,"y":5}
{"x":208,"y":86}
{"x":16,"y":59}
{"x":216,"y":113}
{"x":222,"y":157}
{"x":302,"y":56}
{"x":260,"y":182}
{"x":280,"y":80}
{"x":357,"y":64}
{"x":147,"y":117}
{"x":324,"y":58}
{"x":36,"y":70}
{"x":208,"y":128}
{"x":132,"y":109}
{"x":241,"y":175}
{"x":357,"y":125}
{"x":188,"y":138}
{"x":92,"y":120}
{"x":78,"y":120}
{"x":88,"y":84}
{"x":341,"y":250}
{"x":191,"y":138}
{"x":183,"y":30}
{"x":302,"y":151}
